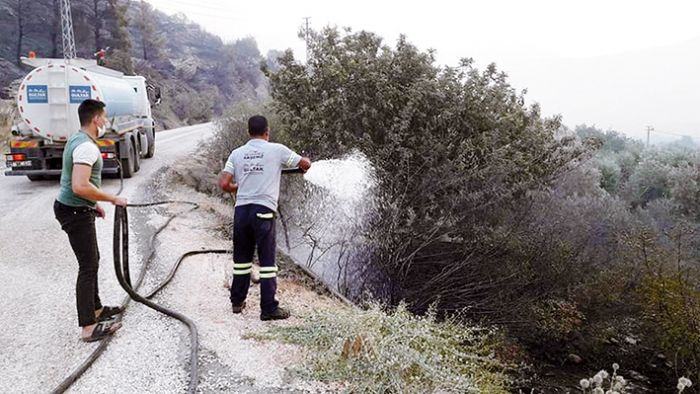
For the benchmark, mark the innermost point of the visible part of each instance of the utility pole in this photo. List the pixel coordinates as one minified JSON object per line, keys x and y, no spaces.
{"x":67,"y":31}
{"x":306,"y":37}
{"x":649,"y":130}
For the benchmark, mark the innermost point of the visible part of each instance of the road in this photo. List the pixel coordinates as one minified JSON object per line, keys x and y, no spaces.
{"x":38,"y":323}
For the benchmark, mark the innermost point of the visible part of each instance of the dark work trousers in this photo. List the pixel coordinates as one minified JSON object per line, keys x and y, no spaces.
{"x":79,"y":224}
{"x":254,"y":225}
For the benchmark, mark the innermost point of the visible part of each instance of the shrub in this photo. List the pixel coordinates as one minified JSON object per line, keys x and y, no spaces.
{"x":558,"y":319}
{"x":375,"y":351}
{"x":455,"y":151}
{"x":672,"y":313}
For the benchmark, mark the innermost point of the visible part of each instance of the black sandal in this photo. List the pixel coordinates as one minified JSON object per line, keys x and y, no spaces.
{"x":108,"y":312}
{"x":101,"y":331}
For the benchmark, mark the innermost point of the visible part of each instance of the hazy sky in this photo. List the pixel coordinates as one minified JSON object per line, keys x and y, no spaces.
{"x":514,"y":34}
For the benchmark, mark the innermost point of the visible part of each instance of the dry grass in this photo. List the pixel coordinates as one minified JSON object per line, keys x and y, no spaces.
{"x":379,"y":351}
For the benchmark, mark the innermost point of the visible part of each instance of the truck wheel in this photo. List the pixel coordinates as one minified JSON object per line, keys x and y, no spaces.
{"x":137,"y":155}
{"x":128,"y":163}
{"x":151,"y":138}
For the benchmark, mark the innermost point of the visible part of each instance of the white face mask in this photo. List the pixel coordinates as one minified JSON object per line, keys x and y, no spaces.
{"x":101,"y":130}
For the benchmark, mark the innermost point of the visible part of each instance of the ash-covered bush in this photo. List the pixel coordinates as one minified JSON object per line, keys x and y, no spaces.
{"x":379,"y":351}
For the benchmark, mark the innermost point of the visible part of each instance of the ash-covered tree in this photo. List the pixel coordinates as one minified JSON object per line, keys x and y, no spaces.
{"x":152,"y":42}
{"x":238,"y":69}
{"x":456,"y":152}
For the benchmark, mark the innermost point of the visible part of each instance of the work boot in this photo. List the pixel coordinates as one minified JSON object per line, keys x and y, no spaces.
{"x":238,"y":308}
{"x":278,"y":314}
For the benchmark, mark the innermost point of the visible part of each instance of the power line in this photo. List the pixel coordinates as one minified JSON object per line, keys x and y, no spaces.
{"x":651,"y":128}
{"x":675,"y":134}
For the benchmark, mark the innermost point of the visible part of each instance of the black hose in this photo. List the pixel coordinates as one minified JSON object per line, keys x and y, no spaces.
{"x":121,"y":266}
{"x":97,"y":352}
{"x":121,"y":227}
{"x":173,"y":270}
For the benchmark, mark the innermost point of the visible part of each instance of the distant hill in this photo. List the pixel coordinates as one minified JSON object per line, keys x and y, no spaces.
{"x":199,"y":74}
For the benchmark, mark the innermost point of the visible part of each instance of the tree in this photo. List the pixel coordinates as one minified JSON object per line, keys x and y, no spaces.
{"x":238,"y":70}
{"x":56,"y":29}
{"x":272,"y":63}
{"x":98,"y":14}
{"x":20,"y":12}
{"x":456,"y":153}
{"x":107,"y":24}
{"x":89,"y":20}
{"x":117,"y":23}
{"x":151,"y":41}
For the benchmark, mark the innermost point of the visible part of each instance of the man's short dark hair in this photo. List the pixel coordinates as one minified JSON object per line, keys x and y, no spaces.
{"x":88,"y":109}
{"x":257,"y":125}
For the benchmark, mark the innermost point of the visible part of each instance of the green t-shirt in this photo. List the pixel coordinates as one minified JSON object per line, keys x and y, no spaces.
{"x":80,"y":148}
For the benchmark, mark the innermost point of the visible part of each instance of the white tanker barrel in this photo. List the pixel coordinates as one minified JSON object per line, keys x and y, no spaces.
{"x":49,"y":96}
{"x":117,"y":93}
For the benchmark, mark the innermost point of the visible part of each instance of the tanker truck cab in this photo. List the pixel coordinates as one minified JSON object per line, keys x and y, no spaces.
{"x":47,"y":102}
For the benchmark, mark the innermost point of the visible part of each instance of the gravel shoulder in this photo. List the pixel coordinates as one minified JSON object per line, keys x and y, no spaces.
{"x":38,"y":325}
{"x":150,"y":354}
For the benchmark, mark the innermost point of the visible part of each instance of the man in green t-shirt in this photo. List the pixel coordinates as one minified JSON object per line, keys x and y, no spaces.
{"x":76,"y":208}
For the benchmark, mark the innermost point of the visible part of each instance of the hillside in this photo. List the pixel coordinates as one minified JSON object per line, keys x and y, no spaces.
{"x":198,"y":73}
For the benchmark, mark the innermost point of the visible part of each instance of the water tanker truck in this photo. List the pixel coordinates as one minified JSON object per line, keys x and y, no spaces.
{"x":47,"y":105}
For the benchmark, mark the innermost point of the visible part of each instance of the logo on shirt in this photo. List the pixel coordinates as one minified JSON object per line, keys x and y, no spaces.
{"x":253,"y":155}
{"x":256,"y":168}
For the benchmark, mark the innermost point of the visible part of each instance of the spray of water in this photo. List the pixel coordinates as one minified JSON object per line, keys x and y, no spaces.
{"x":325,"y":216}
{"x":349,"y":178}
